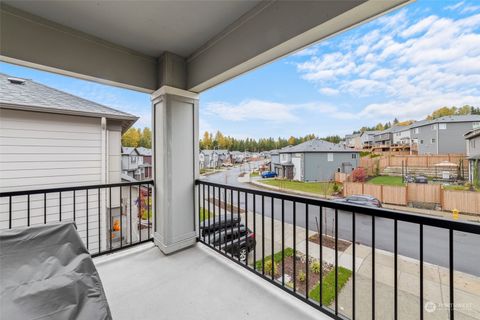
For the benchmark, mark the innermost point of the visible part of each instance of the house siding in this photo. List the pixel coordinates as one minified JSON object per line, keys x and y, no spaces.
{"x":449,"y":140}
{"x":39,"y":150}
{"x":318,"y":168}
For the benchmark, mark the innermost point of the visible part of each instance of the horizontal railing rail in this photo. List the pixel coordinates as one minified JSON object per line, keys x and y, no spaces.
{"x":108,"y":217}
{"x":295,"y":244}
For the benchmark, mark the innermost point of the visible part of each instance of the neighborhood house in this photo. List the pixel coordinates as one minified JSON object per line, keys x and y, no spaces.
{"x":473,"y":154}
{"x":314,"y":160}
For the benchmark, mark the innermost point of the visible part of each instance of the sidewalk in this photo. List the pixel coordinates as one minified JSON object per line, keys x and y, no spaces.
{"x":436,"y":279}
{"x":437,"y":213}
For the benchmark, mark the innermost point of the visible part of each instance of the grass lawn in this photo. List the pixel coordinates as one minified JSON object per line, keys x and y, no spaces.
{"x":387,"y":180}
{"x":277,"y":257}
{"x":459,"y":188}
{"x":205,"y":214}
{"x":254,"y":174}
{"x":328,"y":284}
{"x":311,"y":187}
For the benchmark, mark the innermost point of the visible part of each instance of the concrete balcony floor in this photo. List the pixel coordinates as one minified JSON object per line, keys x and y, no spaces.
{"x":196,"y":283}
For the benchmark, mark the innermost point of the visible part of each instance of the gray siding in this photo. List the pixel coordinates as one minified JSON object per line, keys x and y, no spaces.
{"x":318,"y":168}
{"x":448,"y":140}
{"x":452,"y":139}
{"x":473,"y":146}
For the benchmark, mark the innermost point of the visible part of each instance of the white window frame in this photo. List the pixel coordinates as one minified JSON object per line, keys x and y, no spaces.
{"x":442,"y":126}
{"x":330,"y":157}
{"x":417,"y":130}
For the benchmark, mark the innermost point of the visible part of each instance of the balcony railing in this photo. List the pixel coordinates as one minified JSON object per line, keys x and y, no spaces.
{"x":254,"y":227}
{"x":108,"y":217}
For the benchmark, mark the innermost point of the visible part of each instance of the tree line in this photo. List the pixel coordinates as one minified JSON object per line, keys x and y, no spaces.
{"x":135,"y":137}
{"x":221,"y":141}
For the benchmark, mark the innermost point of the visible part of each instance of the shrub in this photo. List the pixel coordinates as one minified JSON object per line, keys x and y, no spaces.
{"x":268,"y":267}
{"x":315,"y":267}
{"x":336,"y":187}
{"x":359,"y":175}
{"x":301,"y":276}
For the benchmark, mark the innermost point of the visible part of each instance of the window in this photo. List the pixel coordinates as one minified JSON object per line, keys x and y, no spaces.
{"x":133,"y":159}
{"x":434,"y":140}
{"x":476,"y":125}
{"x":330,"y":157}
{"x":442,"y":126}
{"x":417,"y":130}
{"x":421,"y":141}
{"x":434,"y":126}
{"x":354,"y":156}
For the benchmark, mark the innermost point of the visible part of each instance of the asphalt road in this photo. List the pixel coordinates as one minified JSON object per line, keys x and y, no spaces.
{"x":466,"y":246}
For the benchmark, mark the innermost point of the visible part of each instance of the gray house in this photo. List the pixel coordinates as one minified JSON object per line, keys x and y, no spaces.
{"x":443,"y":135}
{"x":315,"y":160}
{"x":473,"y":152}
{"x":383,"y":138}
{"x":367,"y":138}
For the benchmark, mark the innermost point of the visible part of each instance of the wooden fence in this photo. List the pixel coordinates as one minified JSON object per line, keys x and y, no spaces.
{"x":464,"y":201}
{"x":341,"y":177}
{"x":425,"y":161}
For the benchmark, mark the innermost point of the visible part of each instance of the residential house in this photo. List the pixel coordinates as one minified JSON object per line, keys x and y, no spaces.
{"x":132,"y":163}
{"x":213,"y":158}
{"x":367,"y":138}
{"x":473,"y":153}
{"x":401,"y":135}
{"x":146,"y":154}
{"x":383,"y":138}
{"x":353,"y":141}
{"x":52,"y":139}
{"x":443,"y":135}
{"x":315,"y":160}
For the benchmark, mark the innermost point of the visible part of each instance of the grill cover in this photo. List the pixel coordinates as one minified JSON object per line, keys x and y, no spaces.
{"x":47,"y":273}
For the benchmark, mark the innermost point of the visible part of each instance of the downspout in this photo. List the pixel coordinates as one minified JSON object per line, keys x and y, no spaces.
{"x":104,"y":171}
{"x":438,"y":135}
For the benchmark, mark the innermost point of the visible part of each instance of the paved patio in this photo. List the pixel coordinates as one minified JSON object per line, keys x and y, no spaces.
{"x":196,"y":283}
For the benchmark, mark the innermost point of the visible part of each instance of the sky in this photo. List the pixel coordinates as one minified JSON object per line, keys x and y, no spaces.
{"x":402,"y":65}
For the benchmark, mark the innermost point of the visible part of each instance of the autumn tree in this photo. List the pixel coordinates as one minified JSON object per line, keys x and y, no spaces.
{"x":146,"y":138}
{"x":131,"y":138}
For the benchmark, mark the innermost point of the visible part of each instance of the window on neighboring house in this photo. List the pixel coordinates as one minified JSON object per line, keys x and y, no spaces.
{"x":133,"y":159}
{"x":476,"y":125}
{"x":434,"y":126}
{"x":417,"y":130}
{"x":330,"y":157}
{"x":421,"y":141}
{"x":434,"y":140}
{"x":442,"y":126}
{"x":354,"y":156}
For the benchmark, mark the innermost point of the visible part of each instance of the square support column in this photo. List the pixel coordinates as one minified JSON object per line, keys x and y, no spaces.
{"x":175,"y":146}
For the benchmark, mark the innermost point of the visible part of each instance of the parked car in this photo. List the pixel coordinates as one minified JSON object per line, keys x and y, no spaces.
{"x":361,"y":200}
{"x":218,"y":222}
{"x":269,"y":174}
{"x":238,"y":241}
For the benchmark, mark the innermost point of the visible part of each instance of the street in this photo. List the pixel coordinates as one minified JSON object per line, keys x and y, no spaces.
{"x":466,"y":246}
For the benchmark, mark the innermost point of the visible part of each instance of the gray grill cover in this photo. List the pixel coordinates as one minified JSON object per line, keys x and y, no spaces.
{"x":47,"y":273}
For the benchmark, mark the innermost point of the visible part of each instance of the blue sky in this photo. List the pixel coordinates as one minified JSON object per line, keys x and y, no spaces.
{"x":404,"y":65}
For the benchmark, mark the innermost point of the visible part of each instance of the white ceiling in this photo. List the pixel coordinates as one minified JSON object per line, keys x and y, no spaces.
{"x":149,"y":27}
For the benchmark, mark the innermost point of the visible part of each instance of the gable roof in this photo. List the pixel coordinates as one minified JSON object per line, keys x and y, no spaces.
{"x":455,"y":118}
{"x":22,"y":94}
{"x":144,"y":151}
{"x":129,"y":150}
{"x":316,"y":145}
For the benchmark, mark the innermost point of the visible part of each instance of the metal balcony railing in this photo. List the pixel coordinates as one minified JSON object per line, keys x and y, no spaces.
{"x":108,"y":217}
{"x":252,"y":227}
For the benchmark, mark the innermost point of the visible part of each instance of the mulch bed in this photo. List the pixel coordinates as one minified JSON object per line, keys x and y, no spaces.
{"x":313,"y":278}
{"x":329,"y":242}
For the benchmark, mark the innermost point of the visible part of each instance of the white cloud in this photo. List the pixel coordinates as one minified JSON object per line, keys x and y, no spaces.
{"x":329,"y":91}
{"x":404,"y":68}
{"x":455,"y":6}
{"x":272,"y":111}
